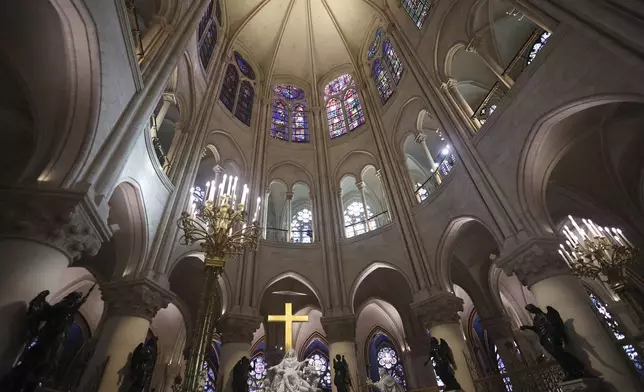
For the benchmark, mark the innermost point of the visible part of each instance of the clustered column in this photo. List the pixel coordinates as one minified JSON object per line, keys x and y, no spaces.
{"x":538,"y":266}
{"x":236,"y":335}
{"x":130,"y":305}
{"x":421,"y":138}
{"x":341,"y":335}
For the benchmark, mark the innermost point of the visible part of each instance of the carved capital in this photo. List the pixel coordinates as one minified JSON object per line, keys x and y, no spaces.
{"x":420,"y":138}
{"x":137,"y":297}
{"x":499,"y":327}
{"x":237,"y":328}
{"x":66,"y":220}
{"x":441,"y":308}
{"x":534,"y":260}
{"x":339,"y":329}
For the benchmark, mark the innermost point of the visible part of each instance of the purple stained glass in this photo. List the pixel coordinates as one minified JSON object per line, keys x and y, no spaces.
{"x":392,"y":60}
{"x":244,"y":109}
{"x":417,"y":10}
{"x":353,"y":109}
{"x":335,"y":118}
{"x":385,"y":89}
{"x":288,"y":92}
{"x":244,"y":67}
{"x":257,"y":373}
{"x":229,"y":87}
{"x":337,"y":85}
{"x":279,"y":123}
{"x":300,"y":124}
{"x":375,"y":43}
{"x":207,"y":45}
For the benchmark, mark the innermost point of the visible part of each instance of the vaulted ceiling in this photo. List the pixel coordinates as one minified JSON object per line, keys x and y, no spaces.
{"x":305,"y":39}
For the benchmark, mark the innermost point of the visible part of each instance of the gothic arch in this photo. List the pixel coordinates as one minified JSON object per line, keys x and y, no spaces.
{"x":296,"y":276}
{"x":353,"y":163}
{"x":357,"y":282}
{"x":290,"y":173}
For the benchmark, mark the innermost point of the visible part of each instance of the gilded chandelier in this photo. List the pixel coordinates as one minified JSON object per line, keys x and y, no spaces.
{"x":219,"y":225}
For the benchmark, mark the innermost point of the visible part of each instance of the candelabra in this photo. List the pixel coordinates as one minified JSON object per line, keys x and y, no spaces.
{"x":604,"y":254}
{"x":219,"y":225}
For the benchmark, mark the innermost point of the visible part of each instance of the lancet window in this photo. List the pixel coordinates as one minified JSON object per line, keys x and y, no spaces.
{"x":302,"y":226}
{"x":417,"y":10}
{"x":343,"y":108}
{"x":382,"y":354}
{"x":386,"y":67}
{"x":290,"y":114}
{"x":207,"y":32}
{"x":238,"y":89}
{"x":257,"y":373}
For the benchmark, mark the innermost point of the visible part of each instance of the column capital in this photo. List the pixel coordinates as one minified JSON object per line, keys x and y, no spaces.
{"x":360,"y":185}
{"x":420,"y":138}
{"x":238,"y":328}
{"x":498,"y":327}
{"x":534,"y":260}
{"x":289,"y":195}
{"x":340,"y":328}
{"x":63,"y":219}
{"x":440,"y":308}
{"x":217,"y":169}
{"x":136,"y":297}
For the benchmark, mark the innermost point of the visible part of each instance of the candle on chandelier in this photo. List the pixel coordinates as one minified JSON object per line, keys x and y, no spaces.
{"x":234,"y":194}
{"x":230,"y":185}
{"x":244,"y":196}
{"x":191,"y":203}
{"x":259,"y":200}
{"x":621,"y":234}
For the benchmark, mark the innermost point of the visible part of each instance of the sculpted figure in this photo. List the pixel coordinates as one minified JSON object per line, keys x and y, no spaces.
{"x":387,"y":383}
{"x":552,"y":336}
{"x":288,"y":375}
{"x":444,"y":364}
{"x":142,"y":365}
{"x":342,"y":378}
{"x":240,"y":375}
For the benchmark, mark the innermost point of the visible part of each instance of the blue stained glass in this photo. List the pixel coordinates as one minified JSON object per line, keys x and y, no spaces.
{"x":244,"y":109}
{"x":388,"y":359}
{"x":354,"y":109}
{"x":335,"y":118}
{"x":385,"y":89}
{"x":257,"y":373}
{"x":205,"y":19}
{"x":321,"y":365}
{"x":207,"y":45}
{"x":337,"y":85}
{"x":279,"y":123}
{"x":288,"y":92}
{"x":375,"y":43}
{"x":229,"y":87}
{"x":392,"y":60}
{"x":417,"y":10}
{"x":244,"y":67}
{"x":300,"y":124}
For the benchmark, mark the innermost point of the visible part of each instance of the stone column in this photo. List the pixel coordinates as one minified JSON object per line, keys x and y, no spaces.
{"x":41,"y":234}
{"x":267,"y":194}
{"x":500,"y":332}
{"x":538,"y":265}
{"x":340,"y":207}
{"x":421,"y":138}
{"x":341,"y":335}
{"x":380,"y":176}
{"x":167,"y":101}
{"x":421,"y":376}
{"x":451,"y":91}
{"x":237,"y":335}
{"x":360,"y":185}
{"x":440,"y":314}
{"x":493,"y":65}
{"x":289,"y":213}
{"x":218,"y":170}
{"x":131,"y":306}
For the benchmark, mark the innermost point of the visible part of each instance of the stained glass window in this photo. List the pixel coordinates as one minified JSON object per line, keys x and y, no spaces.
{"x":207,"y":35}
{"x":388,"y":359}
{"x":229,"y":87}
{"x":321,"y":365}
{"x":385,"y":89}
{"x":244,"y":109}
{"x":210,"y":369}
{"x":354,"y":223}
{"x":336,"y":86}
{"x":302,"y":226}
{"x":300,"y":124}
{"x":205,"y":20}
{"x":353,"y":108}
{"x":257,"y":373}
{"x":612,"y":324}
{"x":536,"y":48}
{"x":375,"y":43}
{"x":417,"y":10}
{"x":289,"y":92}
{"x":244,"y":67}
{"x":279,"y":124}
{"x":335,"y":118}
{"x":392,"y":60}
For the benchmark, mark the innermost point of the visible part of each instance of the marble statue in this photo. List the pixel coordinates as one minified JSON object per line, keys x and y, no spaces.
{"x":387,"y":382}
{"x":291,"y":375}
{"x":342,"y":378}
{"x":552,"y":336}
{"x":444,"y":363}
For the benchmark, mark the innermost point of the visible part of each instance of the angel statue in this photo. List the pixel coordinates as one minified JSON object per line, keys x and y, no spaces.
{"x":444,"y":363}
{"x":387,"y":382}
{"x":342,"y":379}
{"x":289,"y":375}
{"x":552,"y":336}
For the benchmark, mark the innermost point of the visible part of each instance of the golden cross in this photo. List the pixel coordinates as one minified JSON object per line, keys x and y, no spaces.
{"x":288,"y":319}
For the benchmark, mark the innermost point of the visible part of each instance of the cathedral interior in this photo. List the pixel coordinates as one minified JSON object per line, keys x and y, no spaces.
{"x":407,"y":170}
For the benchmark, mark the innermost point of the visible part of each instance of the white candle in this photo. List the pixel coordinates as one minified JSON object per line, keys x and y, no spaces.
{"x":259,"y":200}
{"x":619,"y":231}
{"x":234,"y":192}
{"x":230,"y":185}
{"x":224,"y":184}
{"x":244,"y":195}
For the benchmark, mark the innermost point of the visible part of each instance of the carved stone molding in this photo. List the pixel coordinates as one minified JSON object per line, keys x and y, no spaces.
{"x":339,"y":329}
{"x":63,"y":219}
{"x":137,"y":297}
{"x":534,"y":260}
{"x":440,"y":308}
{"x":237,"y":328}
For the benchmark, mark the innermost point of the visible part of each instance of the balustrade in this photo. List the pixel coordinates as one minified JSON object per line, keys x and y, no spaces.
{"x":434,"y":181}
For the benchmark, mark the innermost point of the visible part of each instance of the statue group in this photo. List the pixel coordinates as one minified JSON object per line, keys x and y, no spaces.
{"x":550,"y":329}
{"x":45,"y":334}
{"x":387,"y":382}
{"x":291,"y":375}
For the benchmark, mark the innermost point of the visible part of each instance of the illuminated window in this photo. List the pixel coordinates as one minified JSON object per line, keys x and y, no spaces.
{"x":302,"y":226}
{"x":342,"y":99}
{"x":257,"y":373}
{"x":207,"y":33}
{"x":417,"y":10}
{"x":290,"y":114}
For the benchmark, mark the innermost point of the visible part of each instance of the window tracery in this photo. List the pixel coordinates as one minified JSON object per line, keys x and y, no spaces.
{"x":321,"y":365}
{"x":388,"y":359}
{"x":238,"y":97}
{"x":386,"y":67}
{"x":342,"y":100}
{"x":257,"y":373}
{"x":417,"y":10}
{"x":290,"y":113}
{"x":207,"y":32}
{"x":302,"y":226}
{"x":537,"y":46}
{"x":354,"y":219}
